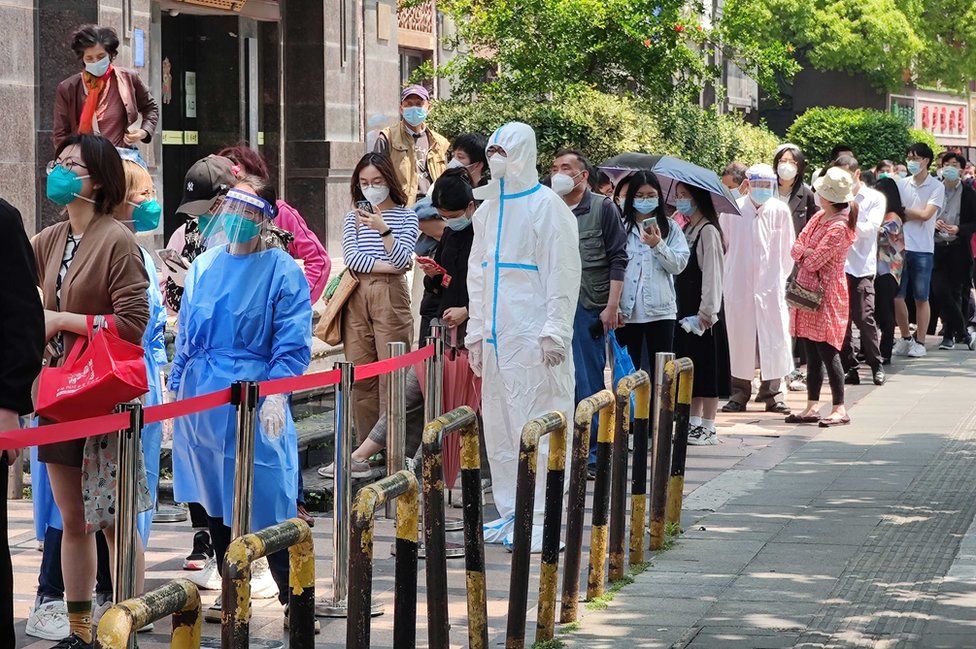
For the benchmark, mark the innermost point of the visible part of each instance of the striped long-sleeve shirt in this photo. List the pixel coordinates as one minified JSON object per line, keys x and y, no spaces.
{"x":362,"y":247}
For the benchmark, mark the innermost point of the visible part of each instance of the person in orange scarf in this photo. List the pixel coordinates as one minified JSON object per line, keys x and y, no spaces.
{"x":103,"y":99}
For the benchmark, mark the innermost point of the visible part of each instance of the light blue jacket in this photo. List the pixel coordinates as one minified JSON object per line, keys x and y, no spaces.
{"x":650,"y":275}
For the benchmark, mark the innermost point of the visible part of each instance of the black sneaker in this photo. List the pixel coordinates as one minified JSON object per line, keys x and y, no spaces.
{"x":73,"y":642}
{"x":202,"y":550}
{"x":852,"y":378}
{"x":947,"y":343}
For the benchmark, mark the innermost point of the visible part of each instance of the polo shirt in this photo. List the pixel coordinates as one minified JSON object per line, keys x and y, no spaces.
{"x":920,"y":235}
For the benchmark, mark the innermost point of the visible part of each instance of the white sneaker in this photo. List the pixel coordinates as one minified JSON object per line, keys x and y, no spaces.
{"x":903,"y":346}
{"x":917,"y":351}
{"x":99,"y":611}
{"x":208,"y":578}
{"x":48,"y":621}
{"x":698,"y":436}
{"x":263,"y":585}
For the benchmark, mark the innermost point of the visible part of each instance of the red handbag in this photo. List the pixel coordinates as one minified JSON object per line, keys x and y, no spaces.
{"x":99,"y":372}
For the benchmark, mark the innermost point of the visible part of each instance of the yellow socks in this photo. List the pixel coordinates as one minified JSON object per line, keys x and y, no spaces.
{"x":80,"y":619}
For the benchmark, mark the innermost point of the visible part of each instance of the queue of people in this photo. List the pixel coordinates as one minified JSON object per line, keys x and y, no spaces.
{"x":752,"y":277}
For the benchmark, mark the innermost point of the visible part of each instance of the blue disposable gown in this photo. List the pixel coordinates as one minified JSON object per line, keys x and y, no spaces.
{"x":46,"y":513}
{"x":243,"y":318}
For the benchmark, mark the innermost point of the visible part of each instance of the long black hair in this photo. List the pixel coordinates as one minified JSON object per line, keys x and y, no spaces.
{"x":889,"y":188}
{"x":632,"y":216}
{"x":799,"y":160}
{"x":703,"y":200}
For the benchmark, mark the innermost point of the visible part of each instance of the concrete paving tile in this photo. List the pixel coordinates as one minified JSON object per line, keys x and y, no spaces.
{"x":731,"y":638}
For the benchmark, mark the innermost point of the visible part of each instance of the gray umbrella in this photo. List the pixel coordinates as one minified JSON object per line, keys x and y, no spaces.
{"x":669,"y":171}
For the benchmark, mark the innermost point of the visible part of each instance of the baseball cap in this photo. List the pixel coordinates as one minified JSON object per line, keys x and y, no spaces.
{"x":207,"y":179}
{"x":415,"y":89}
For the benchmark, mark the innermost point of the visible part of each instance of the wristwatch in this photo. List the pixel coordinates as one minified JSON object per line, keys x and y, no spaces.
{"x":388,"y":232}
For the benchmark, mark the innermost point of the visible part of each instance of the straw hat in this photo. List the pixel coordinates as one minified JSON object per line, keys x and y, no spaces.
{"x":835,"y":185}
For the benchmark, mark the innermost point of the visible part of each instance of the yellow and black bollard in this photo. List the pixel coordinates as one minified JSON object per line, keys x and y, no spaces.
{"x":553,"y":424}
{"x":637,"y":384}
{"x":293,"y":534}
{"x":402,"y":485}
{"x":601,"y":403}
{"x":681,"y":391}
{"x":474,"y":538}
{"x":661,"y":456}
{"x":596,"y":578}
{"x":178,"y":598}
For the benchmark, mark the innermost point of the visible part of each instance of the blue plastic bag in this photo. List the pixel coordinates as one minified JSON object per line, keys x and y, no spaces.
{"x":623,"y":364}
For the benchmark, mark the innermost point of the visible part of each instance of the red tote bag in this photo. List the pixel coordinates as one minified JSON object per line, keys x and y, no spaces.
{"x":100,"y":372}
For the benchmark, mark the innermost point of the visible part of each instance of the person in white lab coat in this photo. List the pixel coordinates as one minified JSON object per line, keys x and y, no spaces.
{"x":757,"y":266}
{"x":523,"y":285}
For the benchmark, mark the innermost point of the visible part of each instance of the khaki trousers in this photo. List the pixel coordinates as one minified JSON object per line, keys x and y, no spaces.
{"x":377,"y":313}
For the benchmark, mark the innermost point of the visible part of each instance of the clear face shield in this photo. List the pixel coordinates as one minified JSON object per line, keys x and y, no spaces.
{"x":761,"y":188}
{"x":236,"y":219}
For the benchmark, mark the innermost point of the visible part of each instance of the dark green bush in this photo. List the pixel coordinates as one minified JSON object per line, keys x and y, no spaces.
{"x":872,"y":135}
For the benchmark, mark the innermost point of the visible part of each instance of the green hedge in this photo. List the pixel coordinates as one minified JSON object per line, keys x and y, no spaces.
{"x":872,"y":135}
{"x":603,"y":125}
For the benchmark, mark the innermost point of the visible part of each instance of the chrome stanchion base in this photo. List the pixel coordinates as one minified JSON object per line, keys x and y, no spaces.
{"x":169,"y":514}
{"x":255,"y":643}
{"x":451,"y":550}
{"x":453,"y":525}
{"x":328,"y":607}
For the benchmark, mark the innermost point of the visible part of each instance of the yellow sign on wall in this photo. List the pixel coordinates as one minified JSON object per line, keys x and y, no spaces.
{"x":172,"y":137}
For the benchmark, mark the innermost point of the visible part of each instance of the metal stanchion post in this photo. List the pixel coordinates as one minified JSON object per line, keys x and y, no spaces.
{"x":396,"y":421}
{"x":244,"y":397}
{"x":126,"y":510}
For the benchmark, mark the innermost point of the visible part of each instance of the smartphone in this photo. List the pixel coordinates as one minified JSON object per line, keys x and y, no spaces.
{"x":427,"y":261}
{"x":365,"y":206}
{"x":646,"y":224}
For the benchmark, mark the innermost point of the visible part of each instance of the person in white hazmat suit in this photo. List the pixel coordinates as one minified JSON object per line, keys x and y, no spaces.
{"x":523,"y":284}
{"x":757,"y":266}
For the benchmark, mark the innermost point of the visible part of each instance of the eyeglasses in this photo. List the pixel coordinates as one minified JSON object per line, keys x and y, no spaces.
{"x":70,"y":165}
{"x":493,"y":149}
{"x":376,"y":184}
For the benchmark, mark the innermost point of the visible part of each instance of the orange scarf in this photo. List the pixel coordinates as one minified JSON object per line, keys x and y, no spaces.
{"x":95,"y":87}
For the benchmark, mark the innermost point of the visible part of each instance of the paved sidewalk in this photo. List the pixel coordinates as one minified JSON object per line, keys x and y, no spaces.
{"x":862,"y":537}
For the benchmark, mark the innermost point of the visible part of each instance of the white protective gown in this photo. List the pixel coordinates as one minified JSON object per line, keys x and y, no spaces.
{"x":757,"y":266}
{"x":523,"y":284}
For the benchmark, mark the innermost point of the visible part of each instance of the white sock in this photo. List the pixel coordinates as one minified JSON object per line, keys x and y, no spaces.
{"x":709,"y":425}
{"x":695,"y":421}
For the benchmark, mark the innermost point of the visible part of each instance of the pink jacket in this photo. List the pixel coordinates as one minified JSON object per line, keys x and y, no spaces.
{"x":306,"y":247}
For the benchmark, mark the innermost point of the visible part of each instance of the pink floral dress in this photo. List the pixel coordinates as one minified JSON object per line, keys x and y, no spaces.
{"x":830,"y":242}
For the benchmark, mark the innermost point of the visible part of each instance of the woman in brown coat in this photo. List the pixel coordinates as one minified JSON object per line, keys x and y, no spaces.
{"x":88,"y":265}
{"x":103,"y":99}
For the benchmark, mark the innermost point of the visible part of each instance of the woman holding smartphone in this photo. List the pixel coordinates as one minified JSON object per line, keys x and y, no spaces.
{"x":699,"y":303}
{"x":378,"y":237}
{"x":658,"y":251}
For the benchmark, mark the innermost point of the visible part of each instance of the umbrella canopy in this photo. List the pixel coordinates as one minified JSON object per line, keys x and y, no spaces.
{"x":669,"y":171}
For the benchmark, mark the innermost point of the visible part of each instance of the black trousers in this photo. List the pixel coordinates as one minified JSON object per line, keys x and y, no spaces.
{"x":885,"y":290}
{"x":819,"y":356}
{"x":644,"y":340}
{"x":278,"y":561}
{"x":7,"y":637}
{"x":951,"y":280}
{"x":862,"y":302}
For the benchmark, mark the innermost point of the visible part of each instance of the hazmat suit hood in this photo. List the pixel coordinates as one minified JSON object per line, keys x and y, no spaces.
{"x":518,"y":141}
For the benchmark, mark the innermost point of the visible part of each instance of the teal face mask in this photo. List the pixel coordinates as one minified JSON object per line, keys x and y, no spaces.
{"x":63,"y":185}
{"x":645,"y":205}
{"x":146,"y":215}
{"x":240,"y":229}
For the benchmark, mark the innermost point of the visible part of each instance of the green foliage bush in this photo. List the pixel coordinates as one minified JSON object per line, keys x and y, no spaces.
{"x":602,"y":125}
{"x":872,"y":135}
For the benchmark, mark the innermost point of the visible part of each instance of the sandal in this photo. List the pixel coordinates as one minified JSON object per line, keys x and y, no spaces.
{"x":829,"y":423}
{"x":801,"y":419}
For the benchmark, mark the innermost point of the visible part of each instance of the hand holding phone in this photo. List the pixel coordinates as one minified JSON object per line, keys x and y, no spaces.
{"x":651,"y":235}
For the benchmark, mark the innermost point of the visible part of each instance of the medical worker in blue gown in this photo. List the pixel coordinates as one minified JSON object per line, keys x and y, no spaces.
{"x":523,"y":285}
{"x":48,"y":617}
{"x":246,"y":315}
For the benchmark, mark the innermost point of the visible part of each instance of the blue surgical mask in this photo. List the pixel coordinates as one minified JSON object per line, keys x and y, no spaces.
{"x":645,"y":205}
{"x":99,"y":67}
{"x":240,"y":229}
{"x":914,"y":166}
{"x":736,"y":194}
{"x":458,"y":223}
{"x":415,"y":115}
{"x":903,"y":174}
{"x":684,"y":205}
{"x":761,"y":194}
{"x":63,"y":185}
{"x":950,"y":173}
{"x":146,"y":215}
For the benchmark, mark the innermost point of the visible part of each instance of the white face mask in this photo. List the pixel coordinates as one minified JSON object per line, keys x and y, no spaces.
{"x":497,"y":163}
{"x":457,"y":164}
{"x":786,"y":170}
{"x":376,"y":195}
{"x":562,"y":183}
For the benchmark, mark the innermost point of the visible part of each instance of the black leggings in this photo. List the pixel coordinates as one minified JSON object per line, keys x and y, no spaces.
{"x":278,"y":561}
{"x":820,"y":355}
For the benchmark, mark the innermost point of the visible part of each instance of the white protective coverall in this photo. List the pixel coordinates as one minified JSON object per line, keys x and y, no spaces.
{"x":757,"y":265}
{"x":523,"y":285}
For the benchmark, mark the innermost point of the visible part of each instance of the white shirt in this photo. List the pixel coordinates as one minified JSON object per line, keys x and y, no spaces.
{"x":862,"y":260}
{"x":920,"y":235}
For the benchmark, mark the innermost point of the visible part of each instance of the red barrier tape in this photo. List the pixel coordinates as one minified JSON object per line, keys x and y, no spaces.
{"x":79,"y":429}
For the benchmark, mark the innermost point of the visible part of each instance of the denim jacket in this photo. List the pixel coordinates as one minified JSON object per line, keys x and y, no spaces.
{"x":650,"y":275}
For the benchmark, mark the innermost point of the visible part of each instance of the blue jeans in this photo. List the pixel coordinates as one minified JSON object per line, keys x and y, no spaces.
{"x":917,"y":273}
{"x":590,"y":358}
